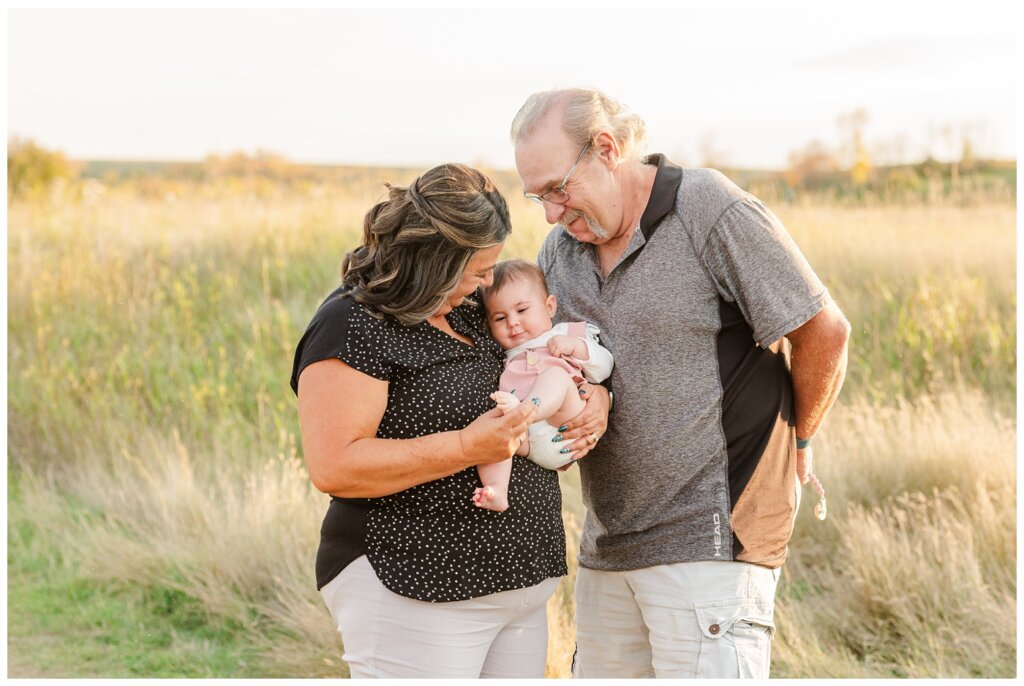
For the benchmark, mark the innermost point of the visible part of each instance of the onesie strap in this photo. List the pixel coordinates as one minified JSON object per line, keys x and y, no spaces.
{"x":577,"y":329}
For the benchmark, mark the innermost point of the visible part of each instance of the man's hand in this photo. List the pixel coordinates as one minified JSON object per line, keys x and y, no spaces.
{"x":584,"y":430}
{"x":804,"y":464}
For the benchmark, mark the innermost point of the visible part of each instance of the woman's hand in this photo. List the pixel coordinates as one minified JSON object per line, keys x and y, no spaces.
{"x":590,"y":424}
{"x":494,"y":436}
{"x":345,"y":458}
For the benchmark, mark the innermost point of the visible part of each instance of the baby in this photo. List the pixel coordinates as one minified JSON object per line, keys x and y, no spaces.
{"x":543,"y":365}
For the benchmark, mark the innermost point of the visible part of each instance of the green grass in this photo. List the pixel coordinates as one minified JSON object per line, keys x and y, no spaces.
{"x":61,"y":625}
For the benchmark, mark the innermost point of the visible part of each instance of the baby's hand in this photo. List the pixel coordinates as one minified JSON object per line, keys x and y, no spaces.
{"x":562,"y":345}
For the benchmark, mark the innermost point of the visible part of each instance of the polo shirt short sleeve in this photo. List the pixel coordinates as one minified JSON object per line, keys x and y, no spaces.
{"x":756,"y":264}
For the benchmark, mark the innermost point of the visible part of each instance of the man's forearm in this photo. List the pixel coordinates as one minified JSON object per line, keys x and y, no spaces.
{"x":818,"y":366}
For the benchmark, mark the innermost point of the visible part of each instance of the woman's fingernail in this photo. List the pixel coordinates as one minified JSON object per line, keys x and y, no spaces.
{"x":582,"y":392}
{"x":563,"y":427}
{"x":556,"y":439}
{"x":564,"y":451}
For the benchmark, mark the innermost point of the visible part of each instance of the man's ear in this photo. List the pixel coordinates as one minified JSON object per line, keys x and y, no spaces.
{"x":551,"y":304}
{"x":607,"y":149}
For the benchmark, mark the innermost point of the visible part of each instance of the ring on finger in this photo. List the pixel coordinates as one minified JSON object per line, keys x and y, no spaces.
{"x":593,"y":439}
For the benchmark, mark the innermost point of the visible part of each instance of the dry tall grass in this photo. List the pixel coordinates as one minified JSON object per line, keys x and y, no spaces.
{"x":153,"y":439}
{"x":912,"y":574}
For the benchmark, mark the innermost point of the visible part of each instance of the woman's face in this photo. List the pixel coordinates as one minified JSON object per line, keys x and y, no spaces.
{"x":479,"y":272}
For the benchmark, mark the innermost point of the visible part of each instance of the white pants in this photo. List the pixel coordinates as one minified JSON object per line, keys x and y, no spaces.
{"x":691,"y":619}
{"x":501,"y":635}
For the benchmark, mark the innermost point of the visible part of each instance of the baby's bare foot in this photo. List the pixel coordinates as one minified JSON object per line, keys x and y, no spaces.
{"x":506,"y":401}
{"x":489,"y":499}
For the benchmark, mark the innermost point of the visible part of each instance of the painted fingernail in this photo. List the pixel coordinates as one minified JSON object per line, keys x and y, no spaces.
{"x":564,"y":451}
{"x":556,"y":439}
{"x":563,"y":427}
{"x":582,"y":392}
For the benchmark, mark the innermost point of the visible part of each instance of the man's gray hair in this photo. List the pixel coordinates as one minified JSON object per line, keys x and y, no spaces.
{"x":585,"y":112}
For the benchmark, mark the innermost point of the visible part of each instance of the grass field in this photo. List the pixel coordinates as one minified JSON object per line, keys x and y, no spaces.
{"x":161,"y":523}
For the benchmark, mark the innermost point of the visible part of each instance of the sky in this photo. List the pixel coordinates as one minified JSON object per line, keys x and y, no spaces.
{"x":725,"y":84}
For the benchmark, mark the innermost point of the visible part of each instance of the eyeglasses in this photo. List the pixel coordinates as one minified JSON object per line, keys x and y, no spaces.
{"x":558,"y":195}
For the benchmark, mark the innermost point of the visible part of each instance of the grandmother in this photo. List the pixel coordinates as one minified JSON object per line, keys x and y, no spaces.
{"x":393,"y":377}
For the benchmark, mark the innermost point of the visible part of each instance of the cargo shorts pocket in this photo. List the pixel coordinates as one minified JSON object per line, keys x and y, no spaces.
{"x":735,"y":638}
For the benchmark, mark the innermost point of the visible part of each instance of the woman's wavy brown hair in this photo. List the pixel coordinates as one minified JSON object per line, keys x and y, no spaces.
{"x":417,"y":243}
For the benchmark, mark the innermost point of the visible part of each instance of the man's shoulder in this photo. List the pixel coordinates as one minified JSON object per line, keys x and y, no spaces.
{"x":711,"y":184}
{"x":704,"y":197}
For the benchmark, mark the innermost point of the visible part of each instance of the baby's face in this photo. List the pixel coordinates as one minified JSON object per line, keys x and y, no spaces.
{"x":518,"y":312}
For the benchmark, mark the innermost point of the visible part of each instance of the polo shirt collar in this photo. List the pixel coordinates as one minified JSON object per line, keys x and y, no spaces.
{"x":663,"y":196}
{"x":663,"y":193}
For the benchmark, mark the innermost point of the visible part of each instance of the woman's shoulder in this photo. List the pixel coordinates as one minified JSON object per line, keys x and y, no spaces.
{"x":341,"y":313}
{"x":340,"y":305}
{"x":345,"y":329}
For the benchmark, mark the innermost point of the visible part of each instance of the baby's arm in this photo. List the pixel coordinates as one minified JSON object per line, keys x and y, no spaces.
{"x":598,"y":366}
{"x":594,"y":358}
{"x":571,"y":346}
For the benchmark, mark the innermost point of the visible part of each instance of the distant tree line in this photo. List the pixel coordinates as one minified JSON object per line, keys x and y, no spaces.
{"x":852,"y":171}
{"x":816,"y":171}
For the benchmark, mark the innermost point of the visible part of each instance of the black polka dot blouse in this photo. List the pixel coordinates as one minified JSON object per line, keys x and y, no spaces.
{"x":430,"y":542}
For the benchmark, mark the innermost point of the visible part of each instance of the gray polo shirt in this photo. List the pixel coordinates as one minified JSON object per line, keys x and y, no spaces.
{"x":698,"y":462}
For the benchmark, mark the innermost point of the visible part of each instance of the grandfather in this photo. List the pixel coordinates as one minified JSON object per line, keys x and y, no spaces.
{"x":692,"y":493}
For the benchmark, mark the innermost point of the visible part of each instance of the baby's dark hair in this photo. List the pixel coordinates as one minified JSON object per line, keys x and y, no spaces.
{"x":511,"y":270}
